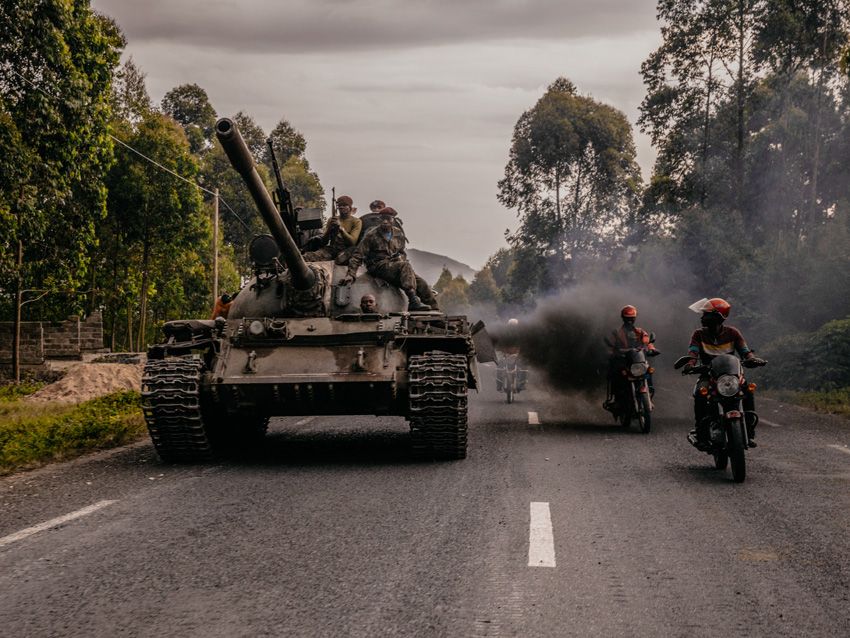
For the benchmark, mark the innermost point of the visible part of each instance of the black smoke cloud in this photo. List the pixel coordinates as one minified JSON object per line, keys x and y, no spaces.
{"x":564,"y":336}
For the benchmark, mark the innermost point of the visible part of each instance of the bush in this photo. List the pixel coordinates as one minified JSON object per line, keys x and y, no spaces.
{"x":812,"y":361}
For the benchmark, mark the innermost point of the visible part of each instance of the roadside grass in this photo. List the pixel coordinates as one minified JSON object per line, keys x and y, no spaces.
{"x":34,"y":433}
{"x":829,"y":401}
{"x":15,"y":391}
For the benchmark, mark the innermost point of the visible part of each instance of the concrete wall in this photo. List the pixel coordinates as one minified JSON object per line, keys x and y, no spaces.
{"x":41,"y":340}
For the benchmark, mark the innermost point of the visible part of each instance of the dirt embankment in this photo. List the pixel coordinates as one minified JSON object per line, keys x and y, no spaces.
{"x":84,"y":381}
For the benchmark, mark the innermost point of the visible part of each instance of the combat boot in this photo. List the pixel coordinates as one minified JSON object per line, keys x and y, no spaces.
{"x":414,"y":303}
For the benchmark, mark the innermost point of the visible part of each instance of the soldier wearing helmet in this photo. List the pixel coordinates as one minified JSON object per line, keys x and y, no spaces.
{"x":340,"y":234}
{"x":707,"y":342}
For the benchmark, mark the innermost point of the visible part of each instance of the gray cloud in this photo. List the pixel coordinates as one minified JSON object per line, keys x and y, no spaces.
{"x":305,"y":26}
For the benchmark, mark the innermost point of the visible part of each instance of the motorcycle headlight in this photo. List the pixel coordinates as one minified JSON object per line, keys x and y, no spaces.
{"x":637,"y":369}
{"x":728,"y":385}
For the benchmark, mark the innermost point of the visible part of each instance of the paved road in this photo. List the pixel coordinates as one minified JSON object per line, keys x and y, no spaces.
{"x":332,"y":531}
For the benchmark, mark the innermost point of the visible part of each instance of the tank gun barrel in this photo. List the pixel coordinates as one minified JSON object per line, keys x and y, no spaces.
{"x":240,"y":157}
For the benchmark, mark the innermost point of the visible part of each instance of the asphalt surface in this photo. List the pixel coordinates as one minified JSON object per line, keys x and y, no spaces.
{"x":332,"y":530}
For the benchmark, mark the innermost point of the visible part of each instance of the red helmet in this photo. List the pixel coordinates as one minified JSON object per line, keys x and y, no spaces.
{"x":628,"y":311}
{"x":718,"y":305}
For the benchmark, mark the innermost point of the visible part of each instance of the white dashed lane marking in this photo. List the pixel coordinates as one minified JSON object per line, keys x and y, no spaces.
{"x":770,"y":423}
{"x":305,"y":421}
{"x":541,"y":543}
{"x":533,"y":418}
{"x":841,"y":448}
{"x":54,"y":522}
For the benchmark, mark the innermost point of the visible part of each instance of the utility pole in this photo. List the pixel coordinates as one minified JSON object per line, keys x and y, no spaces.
{"x":215,"y":247}
{"x":16,"y":343}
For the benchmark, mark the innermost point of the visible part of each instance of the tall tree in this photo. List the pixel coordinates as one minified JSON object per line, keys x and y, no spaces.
{"x":56,"y":67}
{"x":572,"y":175}
{"x":190,"y":105}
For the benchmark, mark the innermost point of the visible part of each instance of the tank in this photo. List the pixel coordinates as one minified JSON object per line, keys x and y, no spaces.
{"x":295,"y":343}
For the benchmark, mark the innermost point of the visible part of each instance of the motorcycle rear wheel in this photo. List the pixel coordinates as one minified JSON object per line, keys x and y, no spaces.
{"x":509,"y":395}
{"x":644,"y":414}
{"x":735,"y":447}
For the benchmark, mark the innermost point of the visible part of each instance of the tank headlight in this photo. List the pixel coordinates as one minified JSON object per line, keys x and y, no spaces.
{"x":728,"y":385}
{"x":256,"y":329}
{"x":637,"y":369}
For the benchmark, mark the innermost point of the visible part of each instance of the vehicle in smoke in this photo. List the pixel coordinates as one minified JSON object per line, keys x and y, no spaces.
{"x":511,"y":378}
{"x":629,"y":387}
{"x":295,"y":342}
{"x":724,"y":389}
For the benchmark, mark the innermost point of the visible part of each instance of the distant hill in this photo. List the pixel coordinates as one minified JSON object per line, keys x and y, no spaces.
{"x":430,"y":265}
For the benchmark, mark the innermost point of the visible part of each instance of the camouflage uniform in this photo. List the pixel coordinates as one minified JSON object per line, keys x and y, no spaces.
{"x":387,"y":260}
{"x":351,"y":225}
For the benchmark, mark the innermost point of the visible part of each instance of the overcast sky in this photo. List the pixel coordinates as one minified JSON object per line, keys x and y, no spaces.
{"x":410,"y":102}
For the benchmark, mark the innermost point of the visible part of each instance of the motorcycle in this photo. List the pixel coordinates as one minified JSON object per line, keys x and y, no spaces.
{"x":724,"y":391}
{"x":629,"y":388}
{"x":510,"y":378}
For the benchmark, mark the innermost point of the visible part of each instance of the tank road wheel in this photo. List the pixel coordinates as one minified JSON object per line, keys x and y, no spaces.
{"x":171,"y":402}
{"x":437,"y":388}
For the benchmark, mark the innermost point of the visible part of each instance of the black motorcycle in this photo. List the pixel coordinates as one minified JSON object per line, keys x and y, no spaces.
{"x":724,"y":390}
{"x":629,"y":388}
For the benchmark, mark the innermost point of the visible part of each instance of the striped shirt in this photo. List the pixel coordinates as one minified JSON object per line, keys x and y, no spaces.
{"x":707,"y":346}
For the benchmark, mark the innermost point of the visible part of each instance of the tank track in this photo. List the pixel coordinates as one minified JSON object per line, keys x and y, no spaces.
{"x":171,"y":402}
{"x":437,"y":385}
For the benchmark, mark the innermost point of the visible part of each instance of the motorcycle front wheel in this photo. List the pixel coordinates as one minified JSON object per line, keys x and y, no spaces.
{"x":735,"y":447}
{"x":644,"y":413}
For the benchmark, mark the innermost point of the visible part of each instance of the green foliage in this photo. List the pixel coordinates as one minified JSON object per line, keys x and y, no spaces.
{"x":15,"y":391}
{"x":35,"y":433}
{"x":453,"y":293}
{"x":835,"y":401}
{"x":483,"y":289}
{"x":54,"y":122}
{"x":810,"y":361}
{"x":190,"y":106}
{"x":157,"y":238}
{"x":573,"y":178}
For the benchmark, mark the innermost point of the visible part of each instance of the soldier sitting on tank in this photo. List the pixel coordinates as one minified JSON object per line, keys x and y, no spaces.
{"x":383,"y":251}
{"x":340,"y":232}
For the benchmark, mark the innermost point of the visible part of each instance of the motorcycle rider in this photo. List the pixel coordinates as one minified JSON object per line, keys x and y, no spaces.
{"x":706,"y":343}
{"x":626,"y":337}
{"x":507,"y":351}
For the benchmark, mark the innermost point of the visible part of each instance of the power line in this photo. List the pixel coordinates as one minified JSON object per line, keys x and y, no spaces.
{"x":140,"y":154}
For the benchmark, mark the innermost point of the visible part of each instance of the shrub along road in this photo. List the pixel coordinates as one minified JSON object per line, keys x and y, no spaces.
{"x":567,"y":527}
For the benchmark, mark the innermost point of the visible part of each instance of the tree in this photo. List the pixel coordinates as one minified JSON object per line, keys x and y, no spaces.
{"x":130,"y":101}
{"x":572,"y":175}
{"x":160,"y":229}
{"x":57,"y":60}
{"x":483,"y":289}
{"x":190,"y":106}
{"x":288,"y":142}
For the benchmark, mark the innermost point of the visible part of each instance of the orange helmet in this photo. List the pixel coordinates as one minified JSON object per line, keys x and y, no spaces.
{"x":628,"y":312}
{"x":718,"y":305}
